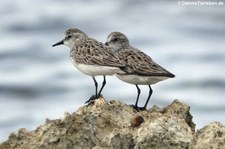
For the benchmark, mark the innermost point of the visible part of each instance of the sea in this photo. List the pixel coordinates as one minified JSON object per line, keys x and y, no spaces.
{"x":38,"y":81}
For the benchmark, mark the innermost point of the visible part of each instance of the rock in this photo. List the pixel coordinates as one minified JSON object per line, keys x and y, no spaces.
{"x":136,"y":121}
{"x":115,"y":125}
{"x":211,"y":136}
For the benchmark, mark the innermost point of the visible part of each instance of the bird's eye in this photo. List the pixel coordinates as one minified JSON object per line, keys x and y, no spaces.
{"x":115,"y":40}
{"x":69,"y":36}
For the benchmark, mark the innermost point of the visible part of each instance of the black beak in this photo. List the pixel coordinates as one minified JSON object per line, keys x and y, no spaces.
{"x":106,"y":44}
{"x":58,"y":43}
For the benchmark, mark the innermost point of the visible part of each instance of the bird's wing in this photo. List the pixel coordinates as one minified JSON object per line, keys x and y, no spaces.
{"x":141,"y":64}
{"x":93,"y":52}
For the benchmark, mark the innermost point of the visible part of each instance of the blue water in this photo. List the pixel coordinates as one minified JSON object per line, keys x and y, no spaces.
{"x":39,"y":82}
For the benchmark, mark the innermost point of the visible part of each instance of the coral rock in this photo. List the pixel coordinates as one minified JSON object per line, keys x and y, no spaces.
{"x":115,"y":125}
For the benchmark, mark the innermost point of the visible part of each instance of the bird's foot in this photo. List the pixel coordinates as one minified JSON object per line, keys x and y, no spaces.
{"x":142,"y":108}
{"x":92,"y":99}
{"x":138,"y":108}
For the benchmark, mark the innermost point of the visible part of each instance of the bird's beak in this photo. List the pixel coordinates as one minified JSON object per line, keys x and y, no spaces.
{"x":106,"y":44}
{"x":58,"y":43}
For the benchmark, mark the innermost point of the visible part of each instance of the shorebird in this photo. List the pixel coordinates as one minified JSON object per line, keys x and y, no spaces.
{"x":141,"y":69}
{"x":90,"y":57}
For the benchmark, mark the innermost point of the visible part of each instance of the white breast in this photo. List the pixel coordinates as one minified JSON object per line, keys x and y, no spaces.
{"x":140,"y":80}
{"x":95,"y":70}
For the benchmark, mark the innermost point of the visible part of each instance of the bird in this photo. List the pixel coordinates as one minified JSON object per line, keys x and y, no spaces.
{"x":140,"y":68}
{"x":91,"y":57}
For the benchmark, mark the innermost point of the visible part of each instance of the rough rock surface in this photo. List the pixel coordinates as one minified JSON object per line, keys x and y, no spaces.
{"x":211,"y":136}
{"x":115,"y":125}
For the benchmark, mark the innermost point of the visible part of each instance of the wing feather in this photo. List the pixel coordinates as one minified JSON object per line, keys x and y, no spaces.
{"x":141,"y":64}
{"x":93,"y":52}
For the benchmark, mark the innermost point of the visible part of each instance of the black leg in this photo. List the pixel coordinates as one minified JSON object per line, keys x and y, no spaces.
{"x":96,"y":87}
{"x":103,"y":85}
{"x":149,"y":95}
{"x":92,"y":98}
{"x":139,"y":91}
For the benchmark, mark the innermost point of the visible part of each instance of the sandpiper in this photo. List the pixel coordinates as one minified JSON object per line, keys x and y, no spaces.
{"x":90,"y":57}
{"x":141,"y":69}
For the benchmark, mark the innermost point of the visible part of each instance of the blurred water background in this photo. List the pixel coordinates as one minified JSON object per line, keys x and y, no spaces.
{"x":39,"y":82}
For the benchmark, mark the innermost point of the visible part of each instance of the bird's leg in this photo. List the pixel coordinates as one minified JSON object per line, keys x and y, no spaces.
{"x":139,"y":92}
{"x":96,"y":87}
{"x":149,"y":95}
{"x":92,"y":98}
{"x":103,"y":85}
